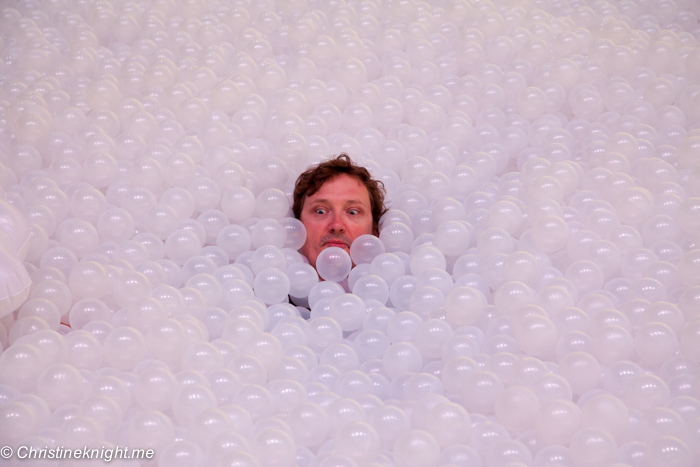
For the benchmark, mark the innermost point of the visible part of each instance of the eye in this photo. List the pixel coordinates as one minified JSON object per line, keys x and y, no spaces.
{"x":354,"y":212}
{"x":320,"y":211}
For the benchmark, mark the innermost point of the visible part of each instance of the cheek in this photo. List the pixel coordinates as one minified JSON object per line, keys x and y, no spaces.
{"x":362,"y":228}
{"x":313,"y":232}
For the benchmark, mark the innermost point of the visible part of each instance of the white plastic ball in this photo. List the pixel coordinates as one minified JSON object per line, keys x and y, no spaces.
{"x":333,"y":264}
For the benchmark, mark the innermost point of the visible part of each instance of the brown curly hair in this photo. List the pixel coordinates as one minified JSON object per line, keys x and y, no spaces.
{"x":315,"y":176}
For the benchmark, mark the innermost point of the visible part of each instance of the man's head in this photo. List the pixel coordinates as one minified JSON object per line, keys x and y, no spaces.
{"x":337,"y":201}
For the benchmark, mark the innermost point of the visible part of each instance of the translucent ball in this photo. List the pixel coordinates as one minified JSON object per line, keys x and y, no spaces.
{"x":348,"y":310}
{"x":464,"y":306}
{"x":20,"y":366}
{"x":531,"y":102}
{"x":274,"y":447}
{"x":88,"y":279}
{"x":396,"y":236}
{"x":181,"y":453}
{"x":59,"y":385}
{"x":124,"y":348}
{"x":79,"y":236}
{"x":581,"y":370}
{"x":550,"y":233}
{"x":536,"y":335}
{"x":606,"y":412}
{"x":358,"y":441}
{"x":557,"y":421}
{"x":272,"y":203}
{"x":182,"y":245}
{"x":522,"y":266}
{"x":655,"y":343}
{"x":449,"y":423}
{"x":84,"y":350}
{"x":296,"y":233}
{"x":389,"y":422}
{"x":593,"y":446}
{"x":266,"y":349}
{"x":151,"y":428}
{"x":41,"y":308}
{"x":426,"y":257}
{"x":586,"y":104}
{"x":20,"y":420}
{"x":365,"y":248}
{"x":452,"y":238}
{"x":87,"y":310}
{"x":333,"y":264}
{"x":416,"y":448}
{"x":271,"y":285}
{"x":115,"y":225}
{"x":585,"y":275}
{"x":129,"y":287}
{"x":55,"y":291}
{"x":302,"y":278}
{"x":323,"y":332}
{"x":516,"y":408}
{"x":388,"y":266}
{"x":400,"y":358}
{"x":430,"y":337}
{"x":309,"y":424}
{"x":371,"y":287}
{"x":190,"y":400}
{"x":689,"y":268}
{"x":267,"y":256}
{"x":238,"y":204}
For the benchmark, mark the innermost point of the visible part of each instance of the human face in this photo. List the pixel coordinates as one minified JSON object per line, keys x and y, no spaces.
{"x":338,"y":213}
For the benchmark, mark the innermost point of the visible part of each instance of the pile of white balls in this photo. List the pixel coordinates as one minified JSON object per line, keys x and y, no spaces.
{"x":533,"y":298}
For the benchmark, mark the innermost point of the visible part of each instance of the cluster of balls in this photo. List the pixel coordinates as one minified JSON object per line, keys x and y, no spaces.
{"x":533,"y":297}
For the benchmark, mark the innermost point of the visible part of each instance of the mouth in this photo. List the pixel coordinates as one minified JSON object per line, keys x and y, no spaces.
{"x":335,"y":243}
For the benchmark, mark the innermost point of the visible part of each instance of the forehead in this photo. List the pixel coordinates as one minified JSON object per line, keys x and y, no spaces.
{"x":342,"y":187}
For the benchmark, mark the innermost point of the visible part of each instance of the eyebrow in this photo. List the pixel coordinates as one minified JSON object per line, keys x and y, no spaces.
{"x":324,"y":200}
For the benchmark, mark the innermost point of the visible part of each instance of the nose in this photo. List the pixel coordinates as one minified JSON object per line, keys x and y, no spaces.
{"x":337,"y":224}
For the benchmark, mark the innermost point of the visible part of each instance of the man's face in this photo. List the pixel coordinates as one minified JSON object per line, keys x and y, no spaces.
{"x":335,"y":215}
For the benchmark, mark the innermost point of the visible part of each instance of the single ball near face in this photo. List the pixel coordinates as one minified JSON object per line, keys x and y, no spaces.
{"x":295,"y":233}
{"x":365,"y":248}
{"x":333,"y":264}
